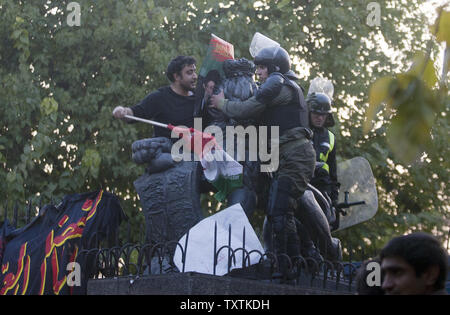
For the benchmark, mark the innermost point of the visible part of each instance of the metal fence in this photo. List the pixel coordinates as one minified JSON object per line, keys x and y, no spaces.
{"x":137,"y":260}
{"x":105,"y":259}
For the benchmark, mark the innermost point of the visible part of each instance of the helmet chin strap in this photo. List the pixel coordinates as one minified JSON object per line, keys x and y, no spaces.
{"x":272,"y":68}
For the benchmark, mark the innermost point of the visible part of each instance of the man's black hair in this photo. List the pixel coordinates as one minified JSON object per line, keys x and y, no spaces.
{"x":213,"y":75}
{"x":421,"y":251}
{"x":177,"y":64}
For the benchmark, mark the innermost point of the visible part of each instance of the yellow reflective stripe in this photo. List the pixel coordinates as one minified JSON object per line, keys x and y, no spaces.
{"x":331,"y":135}
{"x":324,"y":157}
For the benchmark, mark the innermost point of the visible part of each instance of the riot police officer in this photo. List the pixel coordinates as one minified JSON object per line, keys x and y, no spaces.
{"x":316,"y":231}
{"x":321,"y":118}
{"x":279,"y":102}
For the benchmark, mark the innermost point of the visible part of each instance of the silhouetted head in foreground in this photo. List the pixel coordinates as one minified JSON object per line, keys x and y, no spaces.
{"x":414,"y":264}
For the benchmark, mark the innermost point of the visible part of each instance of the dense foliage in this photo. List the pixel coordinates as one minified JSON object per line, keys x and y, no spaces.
{"x":59,"y":83}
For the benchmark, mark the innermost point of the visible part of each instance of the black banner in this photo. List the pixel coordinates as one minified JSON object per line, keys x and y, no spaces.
{"x":41,"y":257}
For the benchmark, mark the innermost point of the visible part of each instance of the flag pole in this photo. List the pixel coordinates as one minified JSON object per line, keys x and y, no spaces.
{"x":151,"y":122}
{"x":188,"y":134}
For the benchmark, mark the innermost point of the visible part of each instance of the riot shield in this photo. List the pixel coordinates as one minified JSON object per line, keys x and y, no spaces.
{"x":356,"y":178}
{"x":260,"y":41}
{"x":321,"y":85}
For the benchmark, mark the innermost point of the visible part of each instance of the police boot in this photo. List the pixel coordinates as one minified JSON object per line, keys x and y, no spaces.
{"x":279,"y":242}
{"x":293,"y":241}
{"x":315,"y":222}
{"x":280,"y":216}
{"x":307,"y":247}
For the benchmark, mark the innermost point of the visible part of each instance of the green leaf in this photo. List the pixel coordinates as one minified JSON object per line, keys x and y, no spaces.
{"x":443,"y":28}
{"x":10,"y":177}
{"x":150,"y":4}
{"x":48,"y":106}
{"x":52,"y":187}
{"x":24,"y":39}
{"x":379,"y":92}
{"x":283,"y":3}
{"x":409,"y":133}
{"x":423,"y":67}
{"x":27,"y":149}
{"x":16,"y":34}
{"x":91,"y":161}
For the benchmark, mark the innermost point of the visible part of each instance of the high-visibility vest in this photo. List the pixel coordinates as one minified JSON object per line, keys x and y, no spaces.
{"x":324,"y":157}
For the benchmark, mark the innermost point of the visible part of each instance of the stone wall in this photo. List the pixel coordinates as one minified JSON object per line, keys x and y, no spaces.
{"x":192,"y":283}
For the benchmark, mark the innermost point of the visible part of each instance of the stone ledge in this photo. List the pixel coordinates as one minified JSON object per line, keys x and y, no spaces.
{"x":191,"y":283}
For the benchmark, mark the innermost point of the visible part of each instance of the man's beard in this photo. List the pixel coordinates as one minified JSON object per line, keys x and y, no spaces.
{"x":189,"y":87}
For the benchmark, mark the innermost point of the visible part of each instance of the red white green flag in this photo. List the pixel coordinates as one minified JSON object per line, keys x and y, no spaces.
{"x":219,"y":168}
{"x":218,"y":51}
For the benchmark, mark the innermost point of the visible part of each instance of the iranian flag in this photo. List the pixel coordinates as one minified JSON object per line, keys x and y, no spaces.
{"x":219,"y":168}
{"x":218,"y":51}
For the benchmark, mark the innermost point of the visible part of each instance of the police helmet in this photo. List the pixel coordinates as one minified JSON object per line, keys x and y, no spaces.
{"x":275,"y":58}
{"x":320,"y":103}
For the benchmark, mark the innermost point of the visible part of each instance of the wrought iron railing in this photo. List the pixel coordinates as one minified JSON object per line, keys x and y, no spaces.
{"x":137,"y":260}
{"x":101,"y":260}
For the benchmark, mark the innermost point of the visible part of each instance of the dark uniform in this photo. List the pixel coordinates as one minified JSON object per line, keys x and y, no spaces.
{"x":280,"y":102}
{"x":316,"y":226}
{"x":325,"y":175}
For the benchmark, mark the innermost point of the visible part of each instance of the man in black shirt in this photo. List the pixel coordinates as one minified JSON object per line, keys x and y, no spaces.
{"x":172,"y":104}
